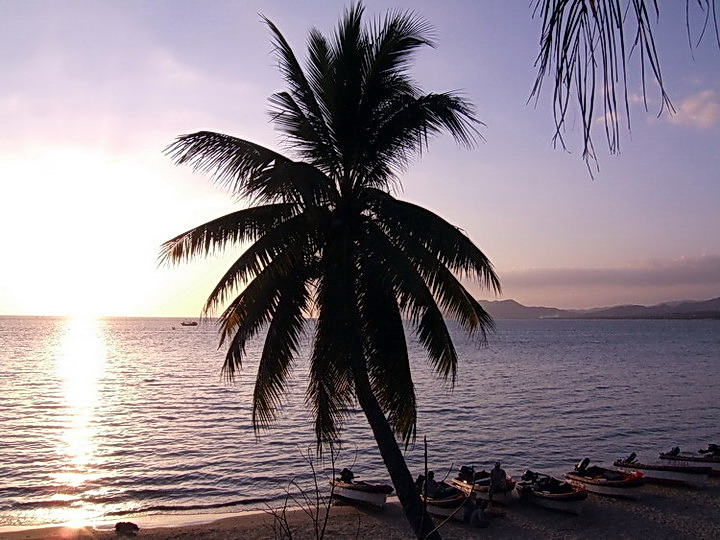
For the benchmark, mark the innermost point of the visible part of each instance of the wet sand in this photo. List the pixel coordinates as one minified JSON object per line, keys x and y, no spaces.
{"x":662,"y":512}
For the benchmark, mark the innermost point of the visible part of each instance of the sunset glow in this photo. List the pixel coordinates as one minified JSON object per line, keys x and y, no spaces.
{"x":89,"y":196}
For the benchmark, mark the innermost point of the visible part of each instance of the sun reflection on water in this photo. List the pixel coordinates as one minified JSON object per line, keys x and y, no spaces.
{"x":80,"y":365}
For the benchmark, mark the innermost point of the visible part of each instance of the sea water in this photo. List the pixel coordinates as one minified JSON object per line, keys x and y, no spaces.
{"x":106,"y":419}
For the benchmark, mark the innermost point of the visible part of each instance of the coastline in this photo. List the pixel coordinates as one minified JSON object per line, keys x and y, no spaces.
{"x":662,"y":512}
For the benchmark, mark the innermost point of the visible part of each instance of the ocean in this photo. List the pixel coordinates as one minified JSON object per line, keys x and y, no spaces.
{"x":110,"y":419}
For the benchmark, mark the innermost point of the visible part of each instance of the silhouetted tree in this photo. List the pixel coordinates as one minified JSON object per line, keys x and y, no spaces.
{"x":328,"y":238}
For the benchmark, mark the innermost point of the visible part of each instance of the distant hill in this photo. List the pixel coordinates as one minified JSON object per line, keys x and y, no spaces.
{"x":510,"y":309}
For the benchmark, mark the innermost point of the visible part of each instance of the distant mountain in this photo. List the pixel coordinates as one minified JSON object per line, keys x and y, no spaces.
{"x":510,"y":309}
{"x":707,"y":309}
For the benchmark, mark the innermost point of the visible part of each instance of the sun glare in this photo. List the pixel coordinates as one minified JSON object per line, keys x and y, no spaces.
{"x":96,"y":221}
{"x":80,"y":364}
{"x":83,"y":227}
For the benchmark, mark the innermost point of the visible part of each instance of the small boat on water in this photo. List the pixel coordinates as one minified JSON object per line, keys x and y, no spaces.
{"x":346,"y":488}
{"x":189,"y":323}
{"x":679,"y":473}
{"x":710,"y":457}
{"x":712,"y":451}
{"x":611,"y":482}
{"x":550,"y":492}
{"x":469,"y":481}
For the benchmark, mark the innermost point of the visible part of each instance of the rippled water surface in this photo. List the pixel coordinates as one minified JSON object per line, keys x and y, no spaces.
{"x":110,"y":417}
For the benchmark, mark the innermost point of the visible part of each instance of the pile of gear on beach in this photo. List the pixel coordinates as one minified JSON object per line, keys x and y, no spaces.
{"x":126,"y":528}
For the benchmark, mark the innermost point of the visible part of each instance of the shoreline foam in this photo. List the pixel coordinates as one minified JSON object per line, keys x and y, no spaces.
{"x":148,"y":521}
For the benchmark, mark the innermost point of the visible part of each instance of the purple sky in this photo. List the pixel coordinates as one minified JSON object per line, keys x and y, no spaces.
{"x":92,"y":91}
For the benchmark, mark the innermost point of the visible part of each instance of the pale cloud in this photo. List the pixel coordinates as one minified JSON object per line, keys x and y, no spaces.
{"x":164,"y":63}
{"x":701,"y":110}
{"x":610,"y":117}
{"x":646,"y":282}
{"x":637,"y":98}
{"x":650,"y":273}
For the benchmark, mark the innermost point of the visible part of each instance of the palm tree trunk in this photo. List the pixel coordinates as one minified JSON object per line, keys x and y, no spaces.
{"x":402,"y":480}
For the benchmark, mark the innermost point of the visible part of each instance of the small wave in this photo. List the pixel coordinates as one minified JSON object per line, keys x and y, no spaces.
{"x":188,"y":507}
{"x":17,"y":505}
{"x":30,"y":491}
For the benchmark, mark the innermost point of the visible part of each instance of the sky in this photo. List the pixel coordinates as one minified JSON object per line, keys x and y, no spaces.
{"x":91,"y":93}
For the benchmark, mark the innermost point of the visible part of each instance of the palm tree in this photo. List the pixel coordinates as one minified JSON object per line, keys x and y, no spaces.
{"x":327,"y":237}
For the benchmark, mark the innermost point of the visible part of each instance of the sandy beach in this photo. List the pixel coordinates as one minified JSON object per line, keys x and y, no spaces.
{"x":662,"y":513}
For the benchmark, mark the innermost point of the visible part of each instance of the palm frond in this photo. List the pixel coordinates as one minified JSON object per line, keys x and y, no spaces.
{"x":320,"y":65}
{"x":248,"y":169}
{"x":299,"y":182}
{"x":450,"y":294}
{"x":443,"y":240}
{"x":300,"y":107}
{"x":284,"y":246}
{"x":709,"y":8}
{"x":243,"y":319}
{"x":584,"y":41}
{"x":403,"y":127}
{"x":330,"y":393}
{"x":255,"y":307}
{"x":393,"y":41}
{"x":229,"y":160}
{"x":414,"y":298}
{"x":281,"y":345}
{"x":290,"y":118}
{"x":349,"y":43}
{"x":216,"y":235}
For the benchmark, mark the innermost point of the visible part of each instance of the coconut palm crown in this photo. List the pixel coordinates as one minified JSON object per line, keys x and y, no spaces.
{"x":327,"y":238}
